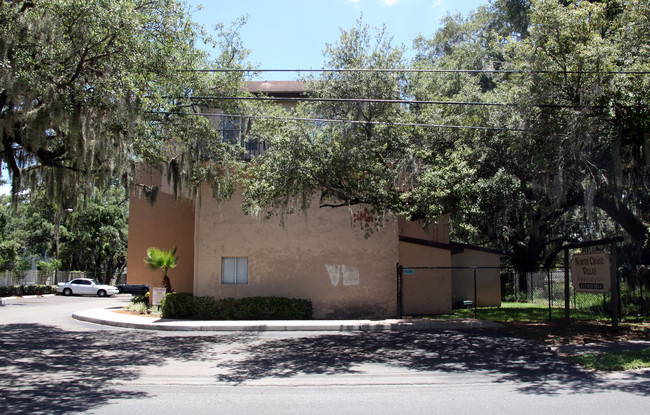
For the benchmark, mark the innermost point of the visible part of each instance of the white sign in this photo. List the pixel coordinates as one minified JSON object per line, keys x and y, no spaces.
{"x":591,"y":272}
{"x":157,"y":295}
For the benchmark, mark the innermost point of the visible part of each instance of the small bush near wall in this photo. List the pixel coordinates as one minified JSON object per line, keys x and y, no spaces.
{"x":265,"y":308}
{"x":177,"y":305}
{"x":140,"y":299}
{"x":206,"y":308}
{"x":181,"y":305}
{"x":19,"y":290}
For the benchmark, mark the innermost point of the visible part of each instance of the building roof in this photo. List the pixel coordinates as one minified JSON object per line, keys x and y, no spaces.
{"x":276,"y":88}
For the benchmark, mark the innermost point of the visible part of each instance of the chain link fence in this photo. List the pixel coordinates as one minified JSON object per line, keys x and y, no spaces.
{"x":31,"y":277}
{"x":515,"y":295}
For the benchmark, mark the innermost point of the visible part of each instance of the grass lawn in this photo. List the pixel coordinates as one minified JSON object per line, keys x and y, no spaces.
{"x":586,"y":326}
{"x":625,"y":360}
{"x":509,"y":312}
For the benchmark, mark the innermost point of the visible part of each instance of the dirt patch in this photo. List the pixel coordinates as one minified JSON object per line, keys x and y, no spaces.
{"x":580,"y":332}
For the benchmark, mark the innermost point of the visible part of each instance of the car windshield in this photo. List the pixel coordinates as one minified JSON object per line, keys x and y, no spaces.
{"x":95,"y":282}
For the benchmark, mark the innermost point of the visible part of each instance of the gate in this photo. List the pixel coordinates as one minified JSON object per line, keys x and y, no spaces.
{"x":423,"y":290}
{"x":438,"y":290}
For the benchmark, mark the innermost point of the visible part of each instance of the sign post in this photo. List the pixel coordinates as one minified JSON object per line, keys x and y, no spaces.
{"x":614,"y":284}
{"x":591,"y":272}
{"x":158,"y":293}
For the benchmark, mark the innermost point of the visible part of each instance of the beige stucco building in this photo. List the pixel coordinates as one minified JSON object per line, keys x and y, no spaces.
{"x":318,"y":255}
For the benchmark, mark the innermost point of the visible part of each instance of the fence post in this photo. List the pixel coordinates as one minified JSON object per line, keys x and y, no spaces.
{"x":475,"y":296}
{"x":399,"y":290}
{"x":550,"y":294}
{"x":614,"y":272}
{"x":567,"y":288}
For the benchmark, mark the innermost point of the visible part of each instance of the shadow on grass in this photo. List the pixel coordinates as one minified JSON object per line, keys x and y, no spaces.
{"x":535,"y":368}
{"x":46,"y":370}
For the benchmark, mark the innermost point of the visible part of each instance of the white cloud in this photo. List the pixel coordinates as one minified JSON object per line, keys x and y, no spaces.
{"x":439,"y":4}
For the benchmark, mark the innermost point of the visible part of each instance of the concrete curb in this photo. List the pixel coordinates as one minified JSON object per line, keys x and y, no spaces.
{"x":5,"y":300}
{"x":109,"y":318}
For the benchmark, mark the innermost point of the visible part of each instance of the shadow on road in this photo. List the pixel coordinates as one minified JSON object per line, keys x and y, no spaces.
{"x":534,"y":367}
{"x":46,"y":370}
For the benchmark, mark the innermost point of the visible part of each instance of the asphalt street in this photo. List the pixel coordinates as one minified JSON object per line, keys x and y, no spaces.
{"x":52,"y":364}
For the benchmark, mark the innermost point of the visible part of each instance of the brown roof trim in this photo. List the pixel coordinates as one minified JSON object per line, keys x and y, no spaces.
{"x":458,"y":248}
{"x":424,"y":242}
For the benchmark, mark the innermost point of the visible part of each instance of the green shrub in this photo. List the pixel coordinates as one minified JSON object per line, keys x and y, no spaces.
{"x":177,"y":305}
{"x":182,"y":305}
{"x":19,"y":290}
{"x":205,"y":308}
{"x":265,"y":308}
{"x":10,"y":291}
{"x":139,"y":308}
{"x":141,"y":299}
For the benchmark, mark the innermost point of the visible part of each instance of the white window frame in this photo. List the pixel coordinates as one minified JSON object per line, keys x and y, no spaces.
{"x":239,"y":273}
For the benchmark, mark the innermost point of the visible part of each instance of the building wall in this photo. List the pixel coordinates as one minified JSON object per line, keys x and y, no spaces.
{"x":167,"y":224}
{"x":427,"y":291}
{"x":438,"y":231}
{"x":318,"y":256}
{"x":488,"y":281}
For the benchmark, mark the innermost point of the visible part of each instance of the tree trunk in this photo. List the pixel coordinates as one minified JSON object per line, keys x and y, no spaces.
{"x":167,"y":284}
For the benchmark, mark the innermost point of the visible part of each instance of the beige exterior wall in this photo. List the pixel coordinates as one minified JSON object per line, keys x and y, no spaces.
{"x":319,"y":257}
{"x":167,"y":224}
{"x":426,"y":291}
{"x":488,"y":281}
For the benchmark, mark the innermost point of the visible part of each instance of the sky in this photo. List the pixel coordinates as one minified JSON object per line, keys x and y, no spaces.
{"x":291,"y":34}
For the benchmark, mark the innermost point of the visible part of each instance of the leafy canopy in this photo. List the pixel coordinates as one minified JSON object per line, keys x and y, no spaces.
{"x":89,"y":89}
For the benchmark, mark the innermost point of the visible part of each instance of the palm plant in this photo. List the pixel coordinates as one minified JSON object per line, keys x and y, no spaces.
{"x":163,"y":260}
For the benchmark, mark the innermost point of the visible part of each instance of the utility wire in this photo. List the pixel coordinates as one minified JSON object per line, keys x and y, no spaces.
{"x":413,"y":70}
{"x":377,"y":101}
{"x":329,"y":120}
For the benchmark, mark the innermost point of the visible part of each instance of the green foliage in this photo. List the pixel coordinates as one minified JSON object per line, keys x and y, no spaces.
{"x":164,"y":260}
{"x":177,"y":305}
{"x":95,"y":236}
{"x":89,"y":89}
{"x":615,"y":361}
{"x":47,"y":269}
{"x":530,"y":188}
{"x":265,"y":308}
{"x":92,"y":238}
{"x":207,"y":308}
{"x":18,"y":290}
{"x":356,"y":162}
{"x":182,"y":305}
{"x":141,"y":299}
{"x":137,"y":307}
{"x":20,"y":269}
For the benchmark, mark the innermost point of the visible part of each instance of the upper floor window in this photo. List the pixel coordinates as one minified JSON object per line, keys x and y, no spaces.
{"x":230,"y":129}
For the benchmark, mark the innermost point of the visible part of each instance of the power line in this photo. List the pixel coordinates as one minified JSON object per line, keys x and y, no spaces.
{"x":377,"y":101}
{"x":414,"y":70}
{"x":330,"y":120}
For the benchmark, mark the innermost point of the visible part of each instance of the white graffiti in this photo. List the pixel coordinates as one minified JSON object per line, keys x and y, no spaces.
{"x":335,"y":273}
{"x":350,"y":274}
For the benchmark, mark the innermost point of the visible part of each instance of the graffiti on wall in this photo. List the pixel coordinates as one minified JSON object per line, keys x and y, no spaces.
{"x":349,"y":275}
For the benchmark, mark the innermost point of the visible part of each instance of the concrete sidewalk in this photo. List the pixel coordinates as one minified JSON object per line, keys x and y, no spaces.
{"x":110,"y":317}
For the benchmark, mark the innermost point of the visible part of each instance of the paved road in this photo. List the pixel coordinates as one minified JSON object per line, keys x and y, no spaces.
{"x":51,"y":364}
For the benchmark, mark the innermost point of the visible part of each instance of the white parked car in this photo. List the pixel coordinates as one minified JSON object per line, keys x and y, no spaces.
{"x":85,"y":286}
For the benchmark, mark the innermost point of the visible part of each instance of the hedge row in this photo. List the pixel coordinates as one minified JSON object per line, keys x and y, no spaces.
{"x":184,"y":305}
{"x":20,"y":290}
